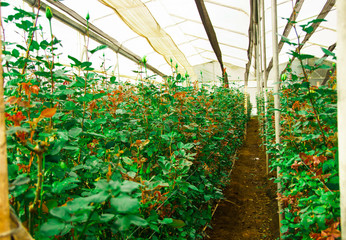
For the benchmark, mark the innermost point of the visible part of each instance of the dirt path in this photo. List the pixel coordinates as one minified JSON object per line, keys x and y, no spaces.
{"x":249,"y":210}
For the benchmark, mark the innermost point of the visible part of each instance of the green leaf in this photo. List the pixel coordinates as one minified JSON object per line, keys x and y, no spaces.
{"x":308,"y":29}
{"x":286,"y":40}
{"x":320,"y":61}
{"x":301,"y":56}
{"x":333,"y":183}
{"x":52,"y":203}
{"x":177,"y":223}
{"x":319,"y":210}
{"x":52,"y":227}
{"x":12,"y":130}
{"x":193,"y":187}
{"x":44,"y":44}
{"x":15,"y":53}
{"x":329,"y":53}
{"x":129,"y":186}
{"x":317,"y":20}
{"x":71,"y":148}
{"x":324,"y":66}
{"x":77,"y":63}
{"x":120,"y":111}
{"x":74,"y":132}
{"x":4,"y":4}
{"x":166,"y":221}
{"x":106,"y":217}
{"x":97,"y":198}
{"x":112,"y":79}
{"x":125,"y":204}
{"x":98,"y":48}
{"x":34,"y":45}
{"x":20,"y":180}
{"x":95,"y":134}
{"x":64,"y":185}
{"x":127,"y":160}
{"x":284,"y":229}
{"x":124,"y":222}
{"x":86,"y":64}
{"x":42,"y":74}
{"x":80,"y":82}
{"x":59,"y":212}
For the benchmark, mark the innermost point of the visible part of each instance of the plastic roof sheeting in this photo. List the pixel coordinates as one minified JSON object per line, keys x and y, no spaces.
{"x":184,"y":35}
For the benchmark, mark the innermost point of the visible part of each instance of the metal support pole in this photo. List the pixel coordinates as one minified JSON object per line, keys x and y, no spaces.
{"x":246,"y":109}
{"x":341,"y":76}
{"x":264,"y":46}
{"x":258,"y":65}
{"x":265,"y":75}
{"x":259,"y":44}
{"x":276,"y":89}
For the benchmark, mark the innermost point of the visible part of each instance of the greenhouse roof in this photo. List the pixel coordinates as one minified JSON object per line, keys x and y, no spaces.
{"x":163,"y":30}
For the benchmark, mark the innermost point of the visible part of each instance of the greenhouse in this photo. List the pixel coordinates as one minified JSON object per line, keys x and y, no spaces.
{"x":158,"y":119}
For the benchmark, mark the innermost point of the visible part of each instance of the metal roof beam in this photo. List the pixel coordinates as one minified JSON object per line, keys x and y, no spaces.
{"x":208,"y":26}
{"x":250,"y":48}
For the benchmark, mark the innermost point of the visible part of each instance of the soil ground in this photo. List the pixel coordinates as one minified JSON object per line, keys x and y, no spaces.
{"x":249,"y":209}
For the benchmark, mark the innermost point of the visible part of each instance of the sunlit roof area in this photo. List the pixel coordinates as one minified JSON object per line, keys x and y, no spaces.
{"x":164,"y":30}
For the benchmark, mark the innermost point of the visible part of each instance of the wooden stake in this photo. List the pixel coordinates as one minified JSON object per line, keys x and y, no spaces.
{"x":4,"y":204}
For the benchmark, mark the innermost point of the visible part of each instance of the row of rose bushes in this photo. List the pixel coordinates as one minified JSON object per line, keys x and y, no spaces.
{"x":307,"y":156}
{"x":91,"y":157}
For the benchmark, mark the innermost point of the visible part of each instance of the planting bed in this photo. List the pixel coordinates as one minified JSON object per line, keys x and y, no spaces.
{"x":249,"y":208}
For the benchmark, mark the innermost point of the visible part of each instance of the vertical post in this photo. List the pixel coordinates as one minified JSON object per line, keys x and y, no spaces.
{"x":260,"y":62}
{"x":246,"y":109}
{"x":341,"y":76}
{"x":258,"y":65}
{"x":4,"y":204}
{"x":265,"y":75}
{"x":264,"y":45}
{"x":259,"y":43}
{"x":276,"y":88}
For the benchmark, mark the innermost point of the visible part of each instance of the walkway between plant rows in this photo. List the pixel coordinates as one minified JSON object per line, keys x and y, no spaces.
{"x":249,"y":210}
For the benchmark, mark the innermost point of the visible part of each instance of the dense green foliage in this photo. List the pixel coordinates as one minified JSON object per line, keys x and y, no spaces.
{"x":93,"y":158}
{"x":308,"y":153}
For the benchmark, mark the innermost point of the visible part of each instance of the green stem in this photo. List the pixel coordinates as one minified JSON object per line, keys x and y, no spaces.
{"x":86,"y":77}
{"x":41,"y":193}
{"x":87,"y":223}
{"x":310,"y":98}
{"x":30,"y":43}
{"x":39,"y":181}
{"x":34,"y":205}
{"x":51,"y":66}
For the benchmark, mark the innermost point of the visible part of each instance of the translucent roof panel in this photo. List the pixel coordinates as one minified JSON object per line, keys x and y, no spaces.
{"x":185,"y":35}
